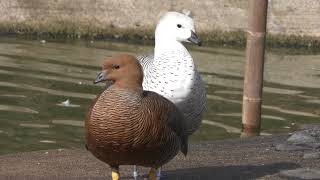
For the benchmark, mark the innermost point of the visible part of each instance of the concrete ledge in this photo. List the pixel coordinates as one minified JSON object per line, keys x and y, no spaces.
{"x":290,"y":23}
{"x":255,"y":158}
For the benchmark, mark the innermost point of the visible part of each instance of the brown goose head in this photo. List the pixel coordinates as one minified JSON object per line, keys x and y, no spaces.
{"x":123,"y":70}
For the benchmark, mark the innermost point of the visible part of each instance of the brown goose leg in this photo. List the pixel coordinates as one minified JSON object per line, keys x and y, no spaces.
{"x":115,"y":173}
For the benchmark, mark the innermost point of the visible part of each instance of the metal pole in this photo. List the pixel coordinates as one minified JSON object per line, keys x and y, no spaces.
{"x":253,"y":80}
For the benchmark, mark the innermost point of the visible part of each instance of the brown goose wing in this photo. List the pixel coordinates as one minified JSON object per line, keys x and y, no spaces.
{"x":175,"y":119}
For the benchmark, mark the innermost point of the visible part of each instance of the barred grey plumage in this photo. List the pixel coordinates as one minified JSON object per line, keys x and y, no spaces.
{"x":173,"y":74}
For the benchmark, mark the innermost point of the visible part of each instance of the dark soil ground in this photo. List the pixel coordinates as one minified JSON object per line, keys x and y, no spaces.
{"x":254,"y":158}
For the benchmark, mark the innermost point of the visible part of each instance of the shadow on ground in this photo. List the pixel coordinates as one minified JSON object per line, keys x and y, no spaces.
{"x":228,"y":172}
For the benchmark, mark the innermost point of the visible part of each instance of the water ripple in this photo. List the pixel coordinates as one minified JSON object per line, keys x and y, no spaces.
{"x":13,"y":95}
{"x":49,"y":77}
{"x":239,"y":115}
{"x":69,"y":122}
{"x":17,"y":109}
{"x":33,"y":125}
{"x":292,"y":112}
{"x":228,"y":128}
{"x":51,"y":68}
{"x":48,"y":141}
{"x":49,"y":91}
{"x":232,"y":83}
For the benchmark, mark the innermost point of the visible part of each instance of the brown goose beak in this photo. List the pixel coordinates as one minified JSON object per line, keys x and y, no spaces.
{"x":194,"y":39}
{"x":100,"y":77}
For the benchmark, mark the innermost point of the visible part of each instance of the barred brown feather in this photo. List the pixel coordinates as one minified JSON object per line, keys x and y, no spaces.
{"x":129,"y":126}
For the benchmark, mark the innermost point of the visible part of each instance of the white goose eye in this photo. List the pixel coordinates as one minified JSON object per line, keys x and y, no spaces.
{"x":179,"y":25}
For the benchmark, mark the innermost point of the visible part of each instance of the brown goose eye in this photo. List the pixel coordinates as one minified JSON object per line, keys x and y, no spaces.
{"x":179,"y":25}
{"x":115,"y":66}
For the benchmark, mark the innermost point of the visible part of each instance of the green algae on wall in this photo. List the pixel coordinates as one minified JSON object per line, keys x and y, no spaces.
{"x":212,"y":38}
{"x":238,"y":39}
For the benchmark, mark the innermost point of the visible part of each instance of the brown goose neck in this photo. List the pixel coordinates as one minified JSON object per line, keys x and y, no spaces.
{"x":133,"y":90}
{"x":129,"y":84}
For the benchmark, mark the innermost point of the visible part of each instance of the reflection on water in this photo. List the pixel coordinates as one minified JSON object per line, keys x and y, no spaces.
{"x":46,"y":89}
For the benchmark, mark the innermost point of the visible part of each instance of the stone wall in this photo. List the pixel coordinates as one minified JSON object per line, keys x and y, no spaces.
{"x":297,"y":17}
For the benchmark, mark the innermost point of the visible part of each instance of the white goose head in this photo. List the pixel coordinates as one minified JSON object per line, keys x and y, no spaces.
{"x":174,"y":26}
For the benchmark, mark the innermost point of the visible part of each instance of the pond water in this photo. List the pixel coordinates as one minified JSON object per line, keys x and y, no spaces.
{"x":46,"y":89}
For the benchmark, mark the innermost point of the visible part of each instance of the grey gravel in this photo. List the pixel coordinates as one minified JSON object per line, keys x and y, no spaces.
{"x":302,"y":137}
{"x":307,"y":138}
{"x":301,"y":173}
{"x":311,"y":126}
{"x":289,"y":147}
{"x":313,"y":155}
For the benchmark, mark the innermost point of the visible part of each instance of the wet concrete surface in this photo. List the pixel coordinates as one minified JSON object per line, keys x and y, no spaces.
{"x":255,"y":158}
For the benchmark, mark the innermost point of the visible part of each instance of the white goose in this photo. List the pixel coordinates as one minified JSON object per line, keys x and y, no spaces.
{"x":171,"y":72}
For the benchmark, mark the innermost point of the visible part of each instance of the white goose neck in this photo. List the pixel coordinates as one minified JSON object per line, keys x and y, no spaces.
{"x":164,"y":46}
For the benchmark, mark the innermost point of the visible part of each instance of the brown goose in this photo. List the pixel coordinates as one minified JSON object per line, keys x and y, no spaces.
{"x":129,"y":126}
